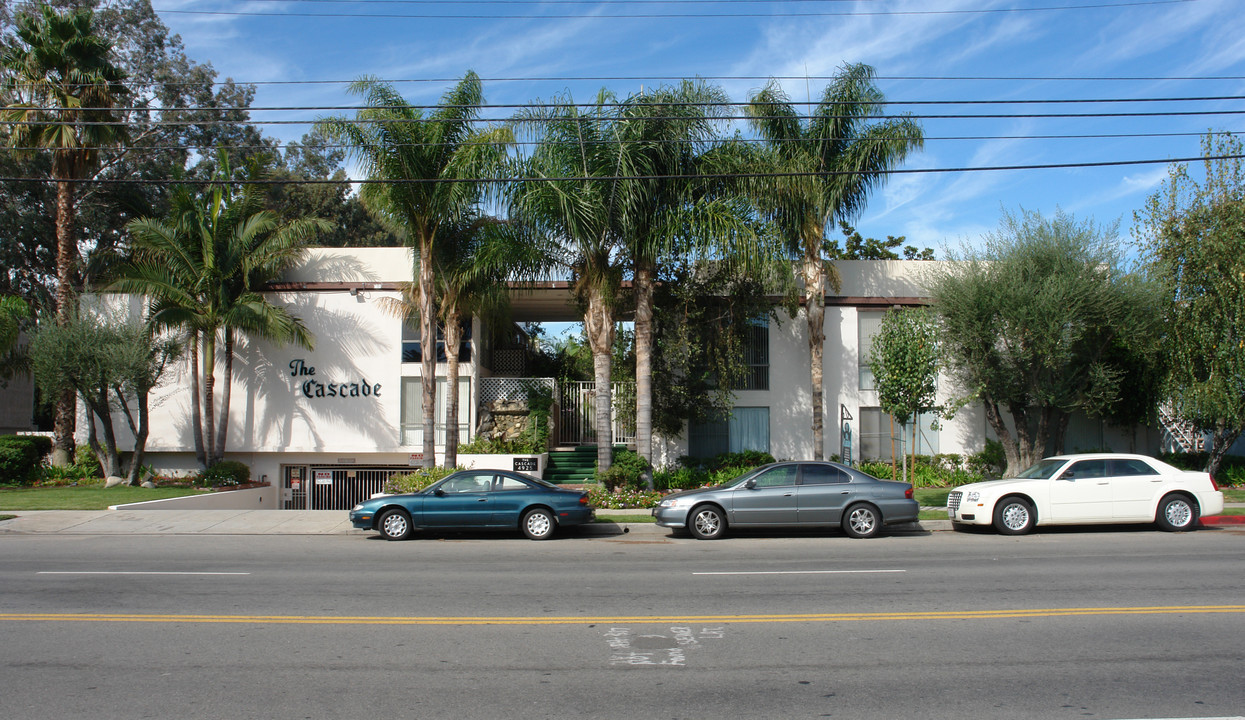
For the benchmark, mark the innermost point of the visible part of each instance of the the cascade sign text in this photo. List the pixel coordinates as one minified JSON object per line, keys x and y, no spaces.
{"x":316,"y":389}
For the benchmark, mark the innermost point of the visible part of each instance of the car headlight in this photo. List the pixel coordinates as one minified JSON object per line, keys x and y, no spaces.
{"x":973,"y":496}
{"x":675,"y":502}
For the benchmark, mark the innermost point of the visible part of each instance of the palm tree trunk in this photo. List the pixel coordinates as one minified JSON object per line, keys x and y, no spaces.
{"x":815,"y":311}
{"x":644,"y":366}
{"x":223,"y":430}
{"x":428,"y":352}
{"x":453,"y":337}
{"x":209,"y":395}
{"x":66,"y":259}
{"x":196,"y":406}
{"x":599,"y":326}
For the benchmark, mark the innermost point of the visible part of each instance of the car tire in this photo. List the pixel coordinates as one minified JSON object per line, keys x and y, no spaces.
{"x":706,"y":522}
{"x":1014,"y":516}
{"x":1177,"y":513}
{"x":538,"y":524}
{"x":862,"y":521}
{"x":394,"y":524}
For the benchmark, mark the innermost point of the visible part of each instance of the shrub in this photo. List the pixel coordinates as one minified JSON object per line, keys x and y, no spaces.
{"x":226,"y":472}
{"x":85,"y":463}
{"x":626,"y":471}
{"x":416,"y":480}
{"x":680,"y":478}
{"x":21,"y":457}
{"x":990,"y":462}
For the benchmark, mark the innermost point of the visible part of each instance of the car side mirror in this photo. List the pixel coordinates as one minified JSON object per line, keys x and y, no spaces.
{"x":1069,"y":475}
{"x":438,"y":492}
{"x":751,"y":484}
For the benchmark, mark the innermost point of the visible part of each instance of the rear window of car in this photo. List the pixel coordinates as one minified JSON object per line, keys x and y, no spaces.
{"x":1131,"y":466}
{"x":505,"y":483}
{"x":822,"y":475}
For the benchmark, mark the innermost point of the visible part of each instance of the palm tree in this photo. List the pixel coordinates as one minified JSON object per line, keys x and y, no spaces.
{"x":425,"y":172}
{"x":668,"y":132}
{"x":825,"y":168}
{"x":66,"y":86}
{"x":204,"y":269}
{"x":573,"y":194}
{"x":473,"y":261}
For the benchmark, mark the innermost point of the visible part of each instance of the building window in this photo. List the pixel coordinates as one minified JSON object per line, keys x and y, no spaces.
{"x":412,"y":430}
{"x":747,"y":428}
{"x":411,"y":352}
{"x":868,"y":323}
{"x":755,"y":358}
{"x":878,"y":434}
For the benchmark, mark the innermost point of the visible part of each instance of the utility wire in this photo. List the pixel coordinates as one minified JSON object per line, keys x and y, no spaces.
{"x":536,"y":143}
{"x":698,"y":16}
{"x":627,"y":178}
{"x":640,"y":104}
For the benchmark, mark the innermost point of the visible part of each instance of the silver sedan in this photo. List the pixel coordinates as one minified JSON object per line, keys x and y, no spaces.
{"x":791,"y":494}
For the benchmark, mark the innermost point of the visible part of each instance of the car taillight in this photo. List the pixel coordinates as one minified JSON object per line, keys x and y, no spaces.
{"x":1213,"y":485}
{"x":907,"y":494}
{"x":583,"y":499}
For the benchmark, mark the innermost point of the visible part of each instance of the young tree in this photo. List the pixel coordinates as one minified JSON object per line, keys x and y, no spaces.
{"x":904,"y":360}
{"x":823,"y":171}
{"x":1193,"y":236}
{"x":1029,"y":324}
{"x":112,"y":366}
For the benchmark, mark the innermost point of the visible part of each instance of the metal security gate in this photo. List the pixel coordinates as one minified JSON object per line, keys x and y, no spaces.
{"x":334,"y":487}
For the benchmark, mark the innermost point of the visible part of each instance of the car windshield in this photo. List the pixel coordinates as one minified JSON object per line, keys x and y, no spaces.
{"x":1043,"y":469}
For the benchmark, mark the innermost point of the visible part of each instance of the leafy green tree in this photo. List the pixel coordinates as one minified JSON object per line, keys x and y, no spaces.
{"x":905,"y":360}
{"x":1192,"y":234}
{"x":204,"y":269}
{"x":425,"y":171}
{"x":61,"y":86}
{"x":856,"y":247}
{"x":822,"y":171}
{"x":14,"y":314}
{"x":1030,"y":323}
{"x":113,"y":366}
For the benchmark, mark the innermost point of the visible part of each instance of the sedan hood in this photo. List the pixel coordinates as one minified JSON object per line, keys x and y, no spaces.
{"x":1000,"y":484}
{"x":697,"y":491}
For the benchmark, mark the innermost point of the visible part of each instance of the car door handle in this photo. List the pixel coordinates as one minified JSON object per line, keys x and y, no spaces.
{"x":482,"y":500}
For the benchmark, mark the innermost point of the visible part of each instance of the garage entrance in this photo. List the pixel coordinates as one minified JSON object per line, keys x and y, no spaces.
{"x":333,"y":487}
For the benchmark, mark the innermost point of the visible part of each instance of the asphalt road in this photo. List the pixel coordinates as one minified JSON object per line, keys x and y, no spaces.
{"x":1121,"y":623}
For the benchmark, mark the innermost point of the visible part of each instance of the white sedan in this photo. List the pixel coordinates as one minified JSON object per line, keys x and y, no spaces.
{"x":1084,"y":489}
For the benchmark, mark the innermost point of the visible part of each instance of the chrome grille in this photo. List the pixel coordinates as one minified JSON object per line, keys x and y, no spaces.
{"x":953,"y":500}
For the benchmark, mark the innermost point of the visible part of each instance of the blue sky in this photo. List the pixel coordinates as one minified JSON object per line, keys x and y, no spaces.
{"x":1165,"y":49}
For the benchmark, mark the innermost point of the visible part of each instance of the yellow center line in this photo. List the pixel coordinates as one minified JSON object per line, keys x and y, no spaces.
{"x":626,"y":619}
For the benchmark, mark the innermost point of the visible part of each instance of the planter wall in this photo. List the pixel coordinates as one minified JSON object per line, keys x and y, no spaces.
{"x":519,"y":463}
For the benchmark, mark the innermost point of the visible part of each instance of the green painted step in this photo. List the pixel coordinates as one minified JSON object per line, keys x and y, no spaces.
{"x":572,"y":466}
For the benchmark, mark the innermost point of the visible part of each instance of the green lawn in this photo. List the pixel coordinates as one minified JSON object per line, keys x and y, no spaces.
{"x":1235,"y":495}
{"x":83,"y":498}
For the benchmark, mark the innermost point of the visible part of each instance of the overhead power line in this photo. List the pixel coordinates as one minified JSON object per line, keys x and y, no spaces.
{"x":534,"y":143}
{"x":642,"y":104}
{"x":679,"y":15}
{"x":625,"y":178}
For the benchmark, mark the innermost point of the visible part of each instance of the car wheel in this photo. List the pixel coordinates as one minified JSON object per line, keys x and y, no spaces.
{"x":1177,"y":513}
{"x":538,"y":524}
{"x":706,"y":523}
{"x":1014,"y":516}
{"x":394,"y":524}
{"x":862,"y":521}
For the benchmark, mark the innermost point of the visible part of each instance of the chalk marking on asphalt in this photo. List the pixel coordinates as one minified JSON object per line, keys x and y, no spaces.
{"x":799,"y":572}
{"x":635,"y":619}
{"x":132,"y":572}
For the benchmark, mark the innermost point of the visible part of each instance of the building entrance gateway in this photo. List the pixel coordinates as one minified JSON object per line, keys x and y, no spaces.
{"x":333,"y":487}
